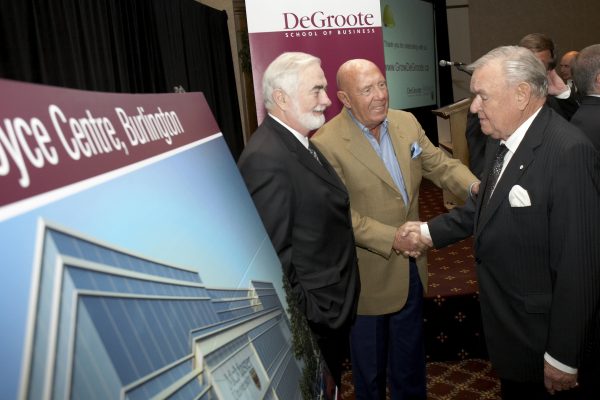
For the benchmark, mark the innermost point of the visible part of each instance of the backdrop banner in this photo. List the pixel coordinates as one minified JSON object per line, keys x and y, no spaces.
{"x":335,"y":31}
{"x":134,"y":264}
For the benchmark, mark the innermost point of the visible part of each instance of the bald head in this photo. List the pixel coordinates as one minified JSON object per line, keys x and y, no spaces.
{"x":566,"y":63}
{"x":363,"y":90}
{"x":350,"y":69}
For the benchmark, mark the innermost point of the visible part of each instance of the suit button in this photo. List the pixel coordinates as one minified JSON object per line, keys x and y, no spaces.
{"x":478,"y":260}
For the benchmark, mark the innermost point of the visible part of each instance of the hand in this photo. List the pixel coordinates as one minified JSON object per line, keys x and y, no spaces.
{"x":415,"y":227}
{"x":556,"y":85}
{"x":556,"y":380}
{"x":408,"y":240}
{"x":407,"y":244}
{"x":475,"y":189}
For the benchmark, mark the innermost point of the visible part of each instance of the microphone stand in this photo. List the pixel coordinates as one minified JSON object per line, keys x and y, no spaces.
{"x":462,"y":68}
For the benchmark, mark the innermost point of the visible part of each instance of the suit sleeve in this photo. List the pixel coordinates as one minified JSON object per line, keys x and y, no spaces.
{"x":453,"y":226}
{"x":565,"y":107}
{"x":272,"y":193}
{"x":574,"y":235}
{"x":373,"y":235}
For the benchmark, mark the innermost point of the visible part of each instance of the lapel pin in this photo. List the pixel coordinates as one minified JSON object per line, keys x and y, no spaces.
{"x":521,"y":166}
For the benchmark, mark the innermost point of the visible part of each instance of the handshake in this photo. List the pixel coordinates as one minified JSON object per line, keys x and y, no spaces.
{"x":408,"y":240}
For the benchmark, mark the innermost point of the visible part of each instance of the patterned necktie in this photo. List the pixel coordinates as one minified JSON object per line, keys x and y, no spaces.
{"x":494,"y":173}
{"x":313,"y":152}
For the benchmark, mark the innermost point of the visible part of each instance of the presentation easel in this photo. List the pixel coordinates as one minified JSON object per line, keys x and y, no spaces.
{"x":451,"y":126}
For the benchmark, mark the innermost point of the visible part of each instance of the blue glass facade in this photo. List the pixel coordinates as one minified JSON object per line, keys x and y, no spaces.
{"x":113,"y":325}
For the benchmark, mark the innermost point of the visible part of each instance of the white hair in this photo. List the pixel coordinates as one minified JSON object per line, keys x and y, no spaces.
{"x":283,"y":73}
{"x":519,"y":64}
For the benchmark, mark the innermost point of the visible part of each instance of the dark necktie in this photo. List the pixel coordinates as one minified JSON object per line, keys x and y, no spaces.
{"x":494,"y":173}
{"x":313,"y":152}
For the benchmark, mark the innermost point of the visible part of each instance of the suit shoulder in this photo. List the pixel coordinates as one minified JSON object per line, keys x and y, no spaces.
{"x":566,"y":133}
{"x":264,"y":145}
{"x":330,"y":131}
{"x":403,"y":120}
{"x":401,"y":114}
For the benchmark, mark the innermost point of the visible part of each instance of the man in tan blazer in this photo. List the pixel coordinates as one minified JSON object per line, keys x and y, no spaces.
{"x":382,"y":155}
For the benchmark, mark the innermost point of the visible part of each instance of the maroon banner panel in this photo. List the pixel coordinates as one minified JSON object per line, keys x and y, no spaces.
{"x":51,"y":137}
{"x":333,"y":47}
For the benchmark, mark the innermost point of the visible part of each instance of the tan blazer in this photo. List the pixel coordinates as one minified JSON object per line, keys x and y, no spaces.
{"x":376,"y":203}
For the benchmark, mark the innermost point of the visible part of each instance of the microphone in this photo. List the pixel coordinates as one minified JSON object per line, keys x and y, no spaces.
{"x":444,"y":63}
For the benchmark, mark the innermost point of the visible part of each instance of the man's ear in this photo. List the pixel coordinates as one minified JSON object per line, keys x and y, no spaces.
{"x":596,"y":84}
{"x":343,"y":97}
{"x":523,"y":95}
{"x":280,"y":98}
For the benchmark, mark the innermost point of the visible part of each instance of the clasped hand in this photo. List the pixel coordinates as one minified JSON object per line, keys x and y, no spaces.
{"x":408,"y":240}
{"x":556,"y":380}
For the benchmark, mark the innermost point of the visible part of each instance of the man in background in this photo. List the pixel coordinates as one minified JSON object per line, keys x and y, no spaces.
{"x":303,"y":204}
{"x":536,"y":232}
{"x":587,"y":79}
{"x":560,"y":96}
{"x":382,"y":155}
{"x":565,"y":67}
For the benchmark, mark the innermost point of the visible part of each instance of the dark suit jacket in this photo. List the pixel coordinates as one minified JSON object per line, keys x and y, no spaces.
{"x":476,"y":140}
{"x":306,"y":212}
{"x":587,"y":118}
{"x":565,"y":107}
{"x":538,"y":266}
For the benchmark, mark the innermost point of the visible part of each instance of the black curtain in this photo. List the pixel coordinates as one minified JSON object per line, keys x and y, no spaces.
{"x":132,"y":46}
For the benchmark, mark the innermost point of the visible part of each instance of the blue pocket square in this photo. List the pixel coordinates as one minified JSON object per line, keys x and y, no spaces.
{"x":415,"y":150}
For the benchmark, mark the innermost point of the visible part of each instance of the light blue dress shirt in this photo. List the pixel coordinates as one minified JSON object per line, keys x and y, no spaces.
{"x":385,"y":150}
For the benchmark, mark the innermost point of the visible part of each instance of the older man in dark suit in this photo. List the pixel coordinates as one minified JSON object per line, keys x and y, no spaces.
{"x":536,"y":231}
{"x":587,"y":79}
{"x":303,"y":204}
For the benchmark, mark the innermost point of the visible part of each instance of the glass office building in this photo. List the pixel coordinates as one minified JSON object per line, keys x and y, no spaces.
{"x":109,"y":324}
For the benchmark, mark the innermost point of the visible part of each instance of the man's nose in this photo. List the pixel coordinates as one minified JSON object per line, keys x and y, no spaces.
{"x":475,"y":105}
{"x":380,"y":92}
{"x":325,"y":99}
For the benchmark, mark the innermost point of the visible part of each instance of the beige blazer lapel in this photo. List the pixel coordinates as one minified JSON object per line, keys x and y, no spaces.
{"x":361,"y":149}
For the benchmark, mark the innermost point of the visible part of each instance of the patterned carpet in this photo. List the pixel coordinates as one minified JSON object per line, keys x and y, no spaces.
{"x":471,"y":379}
{"x":462,"y":380}
{"x":457,"y":366}
{"x":452,"y":319}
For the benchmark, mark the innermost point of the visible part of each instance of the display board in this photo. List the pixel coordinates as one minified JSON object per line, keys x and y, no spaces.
{"x":134,"y":264}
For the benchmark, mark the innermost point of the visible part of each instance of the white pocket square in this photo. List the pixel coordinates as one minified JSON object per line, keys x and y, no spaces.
{"x":518,"y":197}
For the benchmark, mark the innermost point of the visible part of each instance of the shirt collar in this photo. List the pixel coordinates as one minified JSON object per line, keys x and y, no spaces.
{"x":363,"y":128}
{"x":514,"y":140}
{"x":303,"y":139}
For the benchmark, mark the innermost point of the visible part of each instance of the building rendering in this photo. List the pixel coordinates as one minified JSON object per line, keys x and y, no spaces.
{"x":105,"y":323}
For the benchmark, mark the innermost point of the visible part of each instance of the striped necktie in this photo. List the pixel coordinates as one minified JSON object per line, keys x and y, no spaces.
{"x":313,"y":152}
{"x":494,"y":173}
